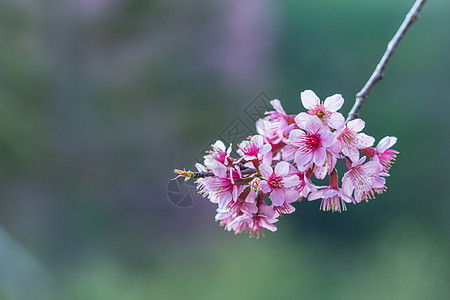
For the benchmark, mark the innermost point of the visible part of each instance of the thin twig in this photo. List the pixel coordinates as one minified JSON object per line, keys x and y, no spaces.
{"x":190,"y":174}
{"x":377,"y":75}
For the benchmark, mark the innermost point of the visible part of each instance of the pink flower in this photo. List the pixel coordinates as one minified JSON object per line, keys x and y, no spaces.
{"x":276,"y":182}
{"x":382,"y":153}
{"x":287,"y":207}
{"x":245,"y":203}
{"x":219,"y":152}
{"x":218,"y":158}
{"x":326,"y":111}
{"x":327,"y":167}
{"x":333,"y":198}
{"x":312,"y":143}
{"x":254,"y":149}
{"x":351,"y":140}
{"x":254,"y":224}
{"x":274,"y":124}
{"x":221,"y":190}
{"x":364,"y":179}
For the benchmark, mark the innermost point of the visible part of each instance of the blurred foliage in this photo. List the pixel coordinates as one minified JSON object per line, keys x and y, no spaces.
{"x":101,"y":99}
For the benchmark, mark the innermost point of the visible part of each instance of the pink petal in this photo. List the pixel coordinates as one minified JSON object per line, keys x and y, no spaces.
{"x":200,"y":167}
{"x":282,"y":168}
{"x":351,"y":152}
{"x":320,"y":171}
{"x":358,"y":195}
{"x":364,"y":141}
{"x":249,"y":208}
{"x":295,"y":136}
{"x":328,"y":193}
{"x":265,"y":170}
{"x":265,"y":149}
{"x":319,"y":156}
{"x":264,"y":186}
{"x":218,"y":169}
{"x":291,"y":181}
{"x":291,"y":196}
{"x":219,"y":144}
{"x":334,"y":103}
{"x":224,"y":199}
{"x":336,"y":120}
{"x":301,"y":119}
{"x":326,"y":138}
{"x":288,"y":152}
{"x":288,"y":208}
{"x":277,"y":105}
{"x":268,"y":211}
{"x":347,"y":185}
{"x":315,"y":195}
{"x":373,"y":166}
{"x":356,"y":125}
{"x":262,"y":127}
{"x":314,"y":124}
{"x":258,"y":140}
{"x":302,"y":159}
{"x":277,"y":197}
{"x":379,"y":182}
{"x":266,"y":224}
{"x":347,"y":198}
{"x":359,"y":162}
{"x":386,"y":143}
{"x":309,"y":99}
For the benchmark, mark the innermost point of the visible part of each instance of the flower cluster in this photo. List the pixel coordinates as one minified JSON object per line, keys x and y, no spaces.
{"x":276,"y":167}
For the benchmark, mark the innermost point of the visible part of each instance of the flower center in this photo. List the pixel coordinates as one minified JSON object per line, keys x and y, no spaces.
{"x":319,"y":111}
{"x":275,"y":181}
{"x":347,"y":136}
{"x":311,"y":141}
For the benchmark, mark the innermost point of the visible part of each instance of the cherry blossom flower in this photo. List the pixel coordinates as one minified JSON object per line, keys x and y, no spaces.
{"x":383,"y":153}
{"x":287,"y":207}
{"x":333,"y":198}
{"x":221,"y":190}
{"x":326,"y":111}
{"x":277,"y":181}
{"x":254,"y":224}
{"x":218,"y":158}
{"x":245,"y":203}
{"x":219,"y":152}
{"x":274,"y":124}
{"x":330,"y":162}
{"x":364,"y":179}
{"x":255,"y":148}
{"x":311,"y":144}
{"x":351,"y":140}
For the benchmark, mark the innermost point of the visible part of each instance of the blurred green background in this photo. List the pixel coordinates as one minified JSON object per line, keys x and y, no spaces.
{"x":101,"y":99}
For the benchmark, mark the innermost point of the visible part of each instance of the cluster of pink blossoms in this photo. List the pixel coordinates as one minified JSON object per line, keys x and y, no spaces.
{"x":276,"y":166}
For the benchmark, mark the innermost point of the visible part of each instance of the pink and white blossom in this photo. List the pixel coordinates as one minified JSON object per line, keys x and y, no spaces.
{"x":255,"y":148}
{"x":245,"y":203}
{"x":272,"y":127}
{"x":383,"y":153}
{"x":221,"y":190}
{"x":312,"y":143}
{"x":254,"y":224}
{"x":326,"y":111}
{"x":333,"y":198}
{"x":351,"y":139}
{"x":364,"y":179}
{"x":276,"y":182}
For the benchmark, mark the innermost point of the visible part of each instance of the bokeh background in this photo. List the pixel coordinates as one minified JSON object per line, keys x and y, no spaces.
{"x":101,"y":99}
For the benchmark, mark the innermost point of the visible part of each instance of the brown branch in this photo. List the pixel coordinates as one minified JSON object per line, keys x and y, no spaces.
{"x":377,"y":75}
{"x":190,"y":174}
